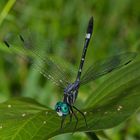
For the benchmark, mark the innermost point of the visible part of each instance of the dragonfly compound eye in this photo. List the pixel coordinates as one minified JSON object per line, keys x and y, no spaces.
{"x":62,"y":108}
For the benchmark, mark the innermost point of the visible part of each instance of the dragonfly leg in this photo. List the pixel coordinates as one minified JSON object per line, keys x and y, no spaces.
{"x":70,"y":118}
{"x":73,"y":113}
{"x":81,"y":114}
{"x":62,"y":121}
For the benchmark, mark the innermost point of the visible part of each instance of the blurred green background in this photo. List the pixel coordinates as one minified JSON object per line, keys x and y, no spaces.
{"x":63,"y":23}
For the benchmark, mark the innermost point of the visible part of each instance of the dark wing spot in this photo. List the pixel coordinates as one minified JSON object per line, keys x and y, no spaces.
{"x":6,"y":43}
{"x":128,"y":62}
{"x":21,"y":38}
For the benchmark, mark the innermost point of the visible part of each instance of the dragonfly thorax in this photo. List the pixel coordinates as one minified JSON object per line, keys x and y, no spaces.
{"x":71,"y":87}
{"x":70,"y":93}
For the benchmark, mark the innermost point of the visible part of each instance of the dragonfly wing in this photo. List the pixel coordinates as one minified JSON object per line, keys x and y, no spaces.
{"x":101,"y":68}
{"x":44,"y":64}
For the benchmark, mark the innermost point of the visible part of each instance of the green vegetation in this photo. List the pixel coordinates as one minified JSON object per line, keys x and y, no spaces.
{"x":60,"y":26}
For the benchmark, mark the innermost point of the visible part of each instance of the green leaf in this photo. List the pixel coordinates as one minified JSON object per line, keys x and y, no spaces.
{"x":114,"y":101}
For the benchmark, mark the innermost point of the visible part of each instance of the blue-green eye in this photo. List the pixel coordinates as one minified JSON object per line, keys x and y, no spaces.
{"x":62,"y":108}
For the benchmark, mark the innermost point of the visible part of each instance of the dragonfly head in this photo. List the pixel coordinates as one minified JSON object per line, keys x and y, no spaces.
{"x":62,"y":108}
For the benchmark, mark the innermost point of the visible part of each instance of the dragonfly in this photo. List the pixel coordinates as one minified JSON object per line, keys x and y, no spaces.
{"x":70,"y":89}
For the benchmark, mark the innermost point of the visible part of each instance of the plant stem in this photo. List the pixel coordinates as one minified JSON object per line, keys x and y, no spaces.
{"x":6,"y":9}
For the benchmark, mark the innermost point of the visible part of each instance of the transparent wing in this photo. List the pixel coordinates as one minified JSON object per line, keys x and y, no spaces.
{"x":101,"y":68}
{"x":43,"y":63}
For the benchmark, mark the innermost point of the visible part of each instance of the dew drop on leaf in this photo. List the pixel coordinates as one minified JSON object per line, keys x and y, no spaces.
{"x":9,"y":106}
{"x":85,"y":113}
{"x":119,"y":108}
{"x":106,"y":112}
{"x":23,"y":115}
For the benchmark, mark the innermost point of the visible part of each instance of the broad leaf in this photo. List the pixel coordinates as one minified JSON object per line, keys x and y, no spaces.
{"x":114,"y":101}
